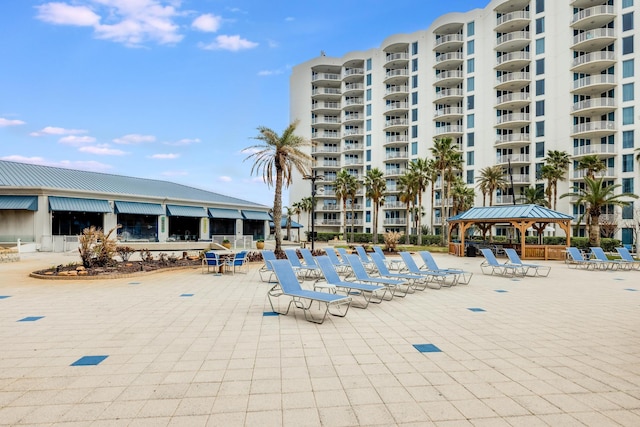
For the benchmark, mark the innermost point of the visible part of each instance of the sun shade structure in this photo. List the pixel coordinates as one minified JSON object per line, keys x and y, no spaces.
{"x":71,"y":204}
{"x":521,"y":217}
{"x":26,"y":203}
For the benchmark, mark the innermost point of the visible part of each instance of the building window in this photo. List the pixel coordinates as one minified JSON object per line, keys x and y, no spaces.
{"x":540,"y":128}
{"x":471,"y":139}
{"x":414,"y":148}
{"x":470,"y":177}
{"x":471,"y":102}
{"x":368,"y":125}
{"x":369,"y":64}
{"x":414,"y":48}
{"x":368,"y":155}
{"x":414,"y":98}
{"x":368,"y":79}
{"x":540,"y":46}
{"x":627,"y":45}
{"x":627,"y":68}
{"x":540,"y":66}
{"x":627,"y":139}
{"x":471,"y":65}
{"x":471,"y":121}
{"x":471,"y":47}
{"x":368,"y":140}
{"x":539,"y":25}
{"x":414,"y":115}
{"x":627,"y":185}
{"x":627,"y":116}
{"x":414,"y":81}
{"x":470,"y":158}
{"x":539,"y":149}
{"x":414,"y":64}
{"x":368,"y":107}
{"x":627,"y":3}
{"x":627,"y":92}
{"x":471,"y":29}
{"x":627,"y":163}
{"x":471,"y":84}
{"x":539,"y":172}
{"x":414,"y":131}
{"x":539,"y":108}
{"x":627,"y":21}
{"x":539,"y":6}
{"x":540,"y":87}
{"x":627,"y":211}
{"x":368,"y":94}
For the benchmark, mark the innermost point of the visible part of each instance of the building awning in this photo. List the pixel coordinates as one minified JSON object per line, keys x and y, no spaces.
{"x":256,"y":215}
{"x":72,"y":204}
{"x":139,"y":208}
{"x":21,"y":203}
{"x":219,"y":213}
{"x":283,"y":223}
{"x":191,"y":211}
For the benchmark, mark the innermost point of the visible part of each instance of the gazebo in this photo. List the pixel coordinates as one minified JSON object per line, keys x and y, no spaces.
{"x":522,"y":218}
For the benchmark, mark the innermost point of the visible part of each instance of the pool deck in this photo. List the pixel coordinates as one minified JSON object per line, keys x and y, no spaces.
{"x":190,"y":349}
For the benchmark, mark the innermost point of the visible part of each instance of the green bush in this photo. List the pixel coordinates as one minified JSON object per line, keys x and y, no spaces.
{"x":610,"y":245}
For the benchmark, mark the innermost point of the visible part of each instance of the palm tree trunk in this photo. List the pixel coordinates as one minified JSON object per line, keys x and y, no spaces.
{"x":353,"y":222}
{"x":408,"y":223}
{"x":375,"y":222}
{"x":277,"y":209}
{"x":433,"y":197}
{"x":344,"y":220}
{"x":419,"y":226}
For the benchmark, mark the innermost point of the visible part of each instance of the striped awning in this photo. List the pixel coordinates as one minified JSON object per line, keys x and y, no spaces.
{"x":191,"y":211}
{"x":256,"y":215}
{"x":19,"y":203}
{"x":72,"y":204}
{"x":139,"y":208}
{"x":219,"y":213}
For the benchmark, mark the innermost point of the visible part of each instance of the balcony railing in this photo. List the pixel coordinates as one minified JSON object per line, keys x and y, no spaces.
{"x":396,"y":155}
{"x":512,"y":97}
{"x":353,"y":101}
{"x":516,"y":35}
{"x":326,"y":91}
{"x":594,"y":103}
{"x":395,"y":171}
{"x":605,"y":56}
{"x":594,"y":149}
{"x":351,"y":132}
{"x":394,"y":221}
{"x":353,"y":147}
{"x":451,"y":56}
{"x":503,"y":200}
{"x":579,"y":174}
{"x":513,"y":56}
{"x":515,"y":117}
{"x":397,"y":73}
{"x":325,"y":135}
{"x":397,"y":138}
{"x":592,"y":12}
{"x":515,"y":158}
{"x":322,"y":149}
{"x":396,"y":122}
{"x":397,"y":106}
{"x":448,"y":38}
{"x":449,"y":111}
{"x":353,"y":71}
{"x":397,"y":89}
{"x":397,"y":56}
{"x":325,"y":76}
{"x":449,"y":129}
{"x":603,"y":125}
{"x":325,"y":105}
{"x":507,"y":17}
{"x":597,"y":33}
{"x":509,"y":77}
{"x":350,"y":162}
{"x":394,"y":205}
{"x":445,"y":93}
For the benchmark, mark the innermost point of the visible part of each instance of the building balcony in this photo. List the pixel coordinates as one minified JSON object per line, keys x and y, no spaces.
{"x":449,"y":61}
{"x":396,"y":60}
{"x":396,"y":155}
{"x":514,"y":120}
{"x":394,"y":221}
{"x":320,"y":149}
{"x":438,"y":203}
{"x":514,"y":159}
{"x":390,"y":172}
{"x":396,"y":107}
{"x":353,"y":117}
{"x":448,"y":43}
{"x":596,"y":129}
{"x":330,"y":222}
{"x":330,"y":208}
{"x":448,"y":114}
{"x":593,"y":63}
{"x":325,"y":107}
{"x":594,"y":106}
{"x":520,"y":178}
{"x":393,"y":188}
{"x":350,"y":102}
{"x":506,"y":199}
{"x":513,"y":82}
{"x":595,"y":84}
{"x":593,"y":17}
{"x":582,"y":173}
{"x":513,"y":21}
{"x":513,"y":140}
{"x":513,"y":61}
{"x":352,"y":147}
{"x":352,"y":89}
{"x":448,"y":78}
{"x":601,"y":150}
{"x":353,"y":74}
{"x":396,"y":92}
{"x":396,"y":77}
{"x":353,"y":132}
{"x":513,"y":101}
{"x":318,"y":136}
{"x":449,"y":96}
{"x":583,"y":4}
{"x":326,"y":93}
{"x":510,"y":42}
{"x":396,"y":140}
{"x":328,"y":164}
{"x":322,"y":193}
{"x":593,"y":40}
{"x":394,"y":205}
{"x":395,"y":125}
{"x":353,"y":221}
{"x":326,"y":77}
{"x":327,"y":122}
{"x":353,"y":162}
{"x":450,"y":130}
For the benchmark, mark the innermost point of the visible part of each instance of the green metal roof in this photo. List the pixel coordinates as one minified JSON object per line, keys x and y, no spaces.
{"x":13,"y":174}
{"x":139,"y":208}
{"x":493,"y":213}
{"x":224,"y":213}
{"x":256,"y":215}
{"x":191,"y":211}
{"x":70,"y":204}
{"x":21,"y":203}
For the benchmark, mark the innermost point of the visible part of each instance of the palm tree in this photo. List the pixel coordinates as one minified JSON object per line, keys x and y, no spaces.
{"x":276,"y":157}
{"x":533,"y":196}
{"x":446,"y":155}
{"x":289,"y":214}
{"x":462,"y":196}
{"x":297,"y":210}
{"x":376,"y":186}
{"x":595,"y":195}
{"x":346,"y":186}
{"x":306,"y":205}
{"x":592,"y":164}
{"x":555,"y":170}
{"x":433,"y":178}
{"x":406,"y":184}
{"x":491,"y":179}
{"x":419,"y":169}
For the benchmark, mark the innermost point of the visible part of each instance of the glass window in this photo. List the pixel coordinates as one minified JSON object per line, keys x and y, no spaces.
{"x":414,"y":98}
{"x":627,"y":68}
{"x":368,"y":107}
{"x":627,"y":92}
{"x":539,"y":149}
{"x":627,"y":211}
{"x":471,"y":65}
{"x":540,"y":128}
{"x":471,"y":47}
{"x":627,"y":139}
{"x":627,"y":3}
{"x":540,"y":87}
{"x":414,"y":48}
{"x":414,"y":81}
{"x":471,"y":102}
{"x":414,"y":64}
{"x":627,"y":21}
{"x":627,"y":163}
{"x":540,"y":66}
{"x":368,"y":94}
{"x":369,"y":64}
{"x":368,"y":155}
{"x":540,"y":46}
{"x":627,"y":45}
{"x":627,"y":116}
{"x":368,"y":125}
{"x":471,"y":28}
{"x":470,"y":177}
{"x":539,"y":108}
{"x":368,"y":79}
{"x":414,"y":148}
{"x":368,"y":140}
{"x":470,"y":158}
{"x":471,"y":139}
{"x":471,"y":84}
{"x":627,"y":185}
{"x":471,"y":121}
{"x":539,"y":6}
{"x":414,"y":131}
{"x":414,"y":115}
{"x":539,"y":173}
{"x":539,"y":25}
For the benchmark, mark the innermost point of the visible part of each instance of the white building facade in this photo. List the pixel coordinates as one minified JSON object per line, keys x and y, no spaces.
{"x":507,"y":83}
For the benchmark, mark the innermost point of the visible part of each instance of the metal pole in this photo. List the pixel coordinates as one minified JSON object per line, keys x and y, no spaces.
{"x":313,"y":209}
{"x":513,"y":193}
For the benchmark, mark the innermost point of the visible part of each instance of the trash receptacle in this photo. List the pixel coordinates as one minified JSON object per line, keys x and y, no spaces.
{"x":472,"y":251}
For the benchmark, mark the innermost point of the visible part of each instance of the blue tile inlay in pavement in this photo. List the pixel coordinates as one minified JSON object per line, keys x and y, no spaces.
{"x":475,"y":309}
{"x":89,"y":360}
{"x":427,"y":348}
{"x":4,"y":296}
{"x":134,"y":283}
{"x":631,"y":289}
{"x":31,"y":319}
{"x":269,"y":313}
{"x":186,"y":295}
{"x":501,"y":290}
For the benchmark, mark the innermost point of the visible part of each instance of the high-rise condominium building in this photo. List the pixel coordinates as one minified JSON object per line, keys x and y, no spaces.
{"x":507,"y":83}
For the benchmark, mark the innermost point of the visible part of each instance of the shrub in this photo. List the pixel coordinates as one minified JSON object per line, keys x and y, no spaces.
{"x":97,"y":248}
{"x":125,"y":252}
{"x":391,"y":240}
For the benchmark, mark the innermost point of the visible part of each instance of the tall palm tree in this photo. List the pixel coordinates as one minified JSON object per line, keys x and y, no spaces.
{"x":276,"y":157}
{"x":554,"y":170}
{"x":533,"y":196}
{"x":346,"y":186}
{"x":491,"y":179}
{"x":419,"y":169}
{"x":462,"y":196}
{"x":406,"y":185}
{"x":446,"y":155}
{"x":288,"y":215}
{"x":591,"y":164}
{"x":297,"y":210}
{"x":595,"y":195}
{"x":306,"y":205}
{"x":433,"y":178}
{"x":376,"y":186}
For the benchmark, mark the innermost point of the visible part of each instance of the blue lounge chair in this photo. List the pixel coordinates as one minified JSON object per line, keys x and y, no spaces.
{"x":303,"y":271}
{"x":415,"y":281}
{"x":288,"y":285}
{"x":491,"y":266}
{"x":626,"y":257}
{"x":611,"y":264}
{"x":463,"y":277}
{"x":364,"y":258}
{"x":341,"y":266}
{"x":369,"y":293}
{"x":211,"y":260}
{"x":575,"y":259}
{"x":392,"y":264}
{"x":361,"y":275}
{"x":444,"y":278}
{"x":266,"y":269}
{"x":536,"y":269}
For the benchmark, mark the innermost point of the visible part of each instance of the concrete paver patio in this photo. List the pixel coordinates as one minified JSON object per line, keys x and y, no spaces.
{"x":185,"y":348}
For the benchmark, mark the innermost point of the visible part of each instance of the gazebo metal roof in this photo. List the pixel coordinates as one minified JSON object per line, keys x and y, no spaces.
{"x":501,"y":213}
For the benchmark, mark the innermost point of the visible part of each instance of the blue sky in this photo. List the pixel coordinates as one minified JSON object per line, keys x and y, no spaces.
{"x":172,"y":89}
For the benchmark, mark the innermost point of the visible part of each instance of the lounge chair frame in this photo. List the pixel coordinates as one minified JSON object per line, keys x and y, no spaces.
{"x":599,"y":255}
{"x":438,"y":279}
{"x":575,"y":260}
{"x":360,"y":274}
{"x":463,"y":276}
{"x":361,"y":293}
{"x":491,"y":266}
{"x":628,"y":259}
{"x":536,"y":270}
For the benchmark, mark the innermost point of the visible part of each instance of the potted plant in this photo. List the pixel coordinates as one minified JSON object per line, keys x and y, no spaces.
{"x":260,"y":244}
{"x":226,"y":243}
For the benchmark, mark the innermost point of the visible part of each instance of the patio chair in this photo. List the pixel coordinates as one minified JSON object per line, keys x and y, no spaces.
{"x":576,"y":260}
{"x":536,"y":269}
{"x":368,"y":293}
{"x":444,"y":278}
{"x":288,"y":285}
{"x":211,"y":260}
{"x":360,"y":273}
{"x":341,"y":266}
{"x":492,"y":267}
{"x":266,"y":269}
{"x":626,"y":257}
{"x":365,"y":259}
{"x":464,"y":277}
{"x":303,"y":271}
{"x":392,"y":264}
{"x":415,"y":281}
{"x":239,"y":261}
{"x":611,"y":264}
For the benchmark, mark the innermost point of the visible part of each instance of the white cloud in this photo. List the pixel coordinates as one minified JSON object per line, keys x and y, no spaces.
{"x":134,"y":138}
{"x":102,"y":150}
{"x":76,"y":140}
{"x":83,"y":165}
{"x":52,"y":130}
{"x":164,"y":156}
{"x":232,"y":43}
{"x":269,"y":72}
{"x":65,"y":14}
{"x":184,"y":141}
{"x":225,"y":178}
{"x":23,"y":159}
{"x":9,"y":122}
{"x":207,"y":23}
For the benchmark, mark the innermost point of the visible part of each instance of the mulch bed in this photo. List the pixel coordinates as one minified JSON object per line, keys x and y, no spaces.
{"x":118,"y":269}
